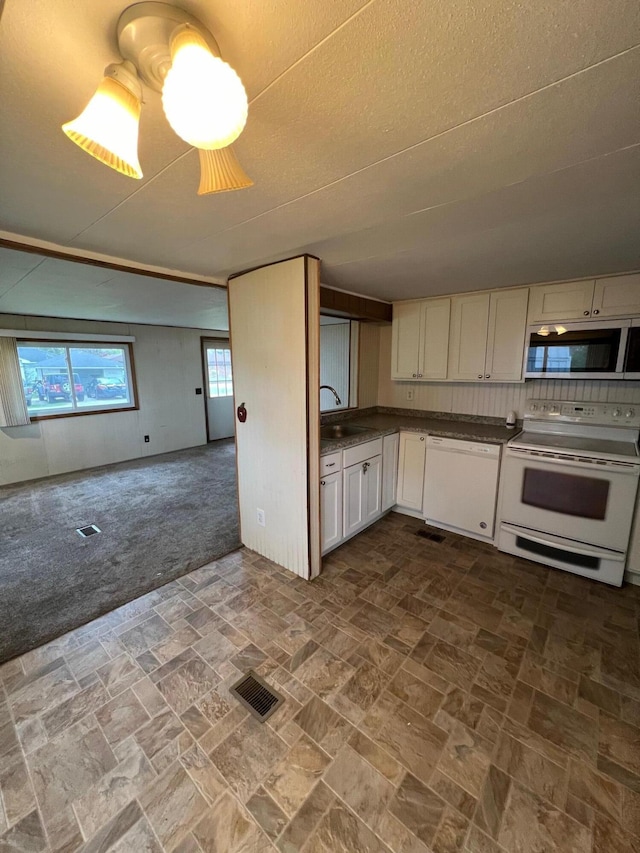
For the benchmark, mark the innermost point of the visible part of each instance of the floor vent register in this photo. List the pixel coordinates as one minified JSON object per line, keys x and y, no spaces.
{"x":256,"y":696}
{"x":434,"y":537}
{"x":89,"y":530}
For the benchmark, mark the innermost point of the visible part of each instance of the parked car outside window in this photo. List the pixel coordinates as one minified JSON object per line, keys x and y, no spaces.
{"x":56,"y":386}
{"x":104,"y":387}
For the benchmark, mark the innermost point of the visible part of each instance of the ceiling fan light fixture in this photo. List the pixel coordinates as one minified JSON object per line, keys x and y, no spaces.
{"x":220,"y":171}
{"x":203,"y":98}
{"x":107,"y":128}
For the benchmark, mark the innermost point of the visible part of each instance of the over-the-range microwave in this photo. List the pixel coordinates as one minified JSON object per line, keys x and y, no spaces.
{"x":600,"y":350}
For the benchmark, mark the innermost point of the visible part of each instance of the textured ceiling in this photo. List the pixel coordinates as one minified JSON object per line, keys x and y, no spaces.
{"x":417,"y":148}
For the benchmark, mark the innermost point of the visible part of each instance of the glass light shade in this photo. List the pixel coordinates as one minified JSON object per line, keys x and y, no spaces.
{"x":108,"y":127}
{"x":203,"y":98}
{"x":220,"y":171}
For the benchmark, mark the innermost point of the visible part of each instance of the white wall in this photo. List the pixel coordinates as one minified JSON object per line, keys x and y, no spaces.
{"x":168,"y":367}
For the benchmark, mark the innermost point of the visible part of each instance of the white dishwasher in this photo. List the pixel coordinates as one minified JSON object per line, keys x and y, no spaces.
{"x":461,"y":484}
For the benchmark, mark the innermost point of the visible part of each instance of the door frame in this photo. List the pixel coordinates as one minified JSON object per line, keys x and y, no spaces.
{"x":205,"y":382}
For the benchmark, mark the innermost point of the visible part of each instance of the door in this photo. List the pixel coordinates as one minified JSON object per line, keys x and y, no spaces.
{"x":570,"y":301}
{"x":362,"y":494}
{"x":461,"y":484}
{"x":564,"y":497}
{"x":434,"y":339}
{"x":390,"y":444}
{"x":354,"y":498}
{"x":617,"y":297}
{"x":411,"y":470}
{"x":468,"y":345}
{"x":506,"y":335}
{"x":331,"y":510}
{"x":218,"y":383}
{"x":405,"y":340}
{"x":372,"y":475}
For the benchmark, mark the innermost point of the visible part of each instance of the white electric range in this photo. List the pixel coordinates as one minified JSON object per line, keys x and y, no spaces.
{"x":569,"y":485}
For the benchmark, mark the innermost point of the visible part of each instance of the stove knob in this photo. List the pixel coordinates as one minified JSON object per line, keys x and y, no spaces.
{"x":544,"y":408}
{"x":534,"y":407}
{"x":630,"y":413}
{"x":616,"y":413}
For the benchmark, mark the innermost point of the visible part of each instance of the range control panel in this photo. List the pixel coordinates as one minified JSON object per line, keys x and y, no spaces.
{"x":571,"y":411}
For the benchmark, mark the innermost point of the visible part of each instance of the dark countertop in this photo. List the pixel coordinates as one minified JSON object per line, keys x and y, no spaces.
{"x":386,"y":424}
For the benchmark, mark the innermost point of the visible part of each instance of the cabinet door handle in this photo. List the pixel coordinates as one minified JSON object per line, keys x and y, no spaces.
{"x":421,"y":438}
{"x":487,"y":376}
{"x":414,"y":375}
{"x":596,"y":311}
{"x":586,"y":313}
{"x":419,"y":376}
{"x":331,"y":464}
{"x":365,"y":466}
{"x":323,"y":482}
{"x":479,"y":376}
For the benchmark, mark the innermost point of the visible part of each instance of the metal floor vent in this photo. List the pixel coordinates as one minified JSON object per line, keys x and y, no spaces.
{"x":89,"y":530}
{"x":434,"y":537}
{"x":256,"y":696}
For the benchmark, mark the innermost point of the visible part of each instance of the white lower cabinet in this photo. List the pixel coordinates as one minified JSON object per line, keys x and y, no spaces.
{"x":351,"y":488}
{"x":331,"y":510}
{"x":411,"y":461}
{"x":390,"y":444}
{"x":362,"y":499}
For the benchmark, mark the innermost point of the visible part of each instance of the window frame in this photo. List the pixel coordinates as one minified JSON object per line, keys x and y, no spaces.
{"x":225,"y":381}
{"x":70,"y":344}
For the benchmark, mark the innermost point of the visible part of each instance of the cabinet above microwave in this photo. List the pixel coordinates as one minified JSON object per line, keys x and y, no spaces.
{"x":591,"y":350}
{"x":599,"y":299}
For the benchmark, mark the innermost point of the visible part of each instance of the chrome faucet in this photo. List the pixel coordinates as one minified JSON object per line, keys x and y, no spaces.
{"x":334,"y":392}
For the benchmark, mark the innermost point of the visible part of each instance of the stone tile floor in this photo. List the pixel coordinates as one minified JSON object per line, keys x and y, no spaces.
{"x":439,"y":697}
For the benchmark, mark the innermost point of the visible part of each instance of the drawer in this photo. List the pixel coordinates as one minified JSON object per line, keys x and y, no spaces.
{"x":353,"y":455}
{"x":331,"y":463}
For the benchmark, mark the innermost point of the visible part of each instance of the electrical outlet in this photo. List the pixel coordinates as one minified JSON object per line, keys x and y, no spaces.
{"x":147,"y":439}
{"x":410,"y":393}
{"x":261,"y":520}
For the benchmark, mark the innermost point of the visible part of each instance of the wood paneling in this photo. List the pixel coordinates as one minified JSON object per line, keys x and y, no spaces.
{"x":357,"y":307}
{"x":270,"y":309}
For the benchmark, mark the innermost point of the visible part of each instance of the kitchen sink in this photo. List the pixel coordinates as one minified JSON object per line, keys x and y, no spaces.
{"x":337,"y":431}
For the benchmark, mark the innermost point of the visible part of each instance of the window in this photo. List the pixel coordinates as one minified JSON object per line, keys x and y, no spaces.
{"x":76,"y":378}
{"x":219,"y":371}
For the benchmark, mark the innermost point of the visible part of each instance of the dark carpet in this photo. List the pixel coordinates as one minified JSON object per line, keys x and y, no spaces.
{"x":160,"y":518}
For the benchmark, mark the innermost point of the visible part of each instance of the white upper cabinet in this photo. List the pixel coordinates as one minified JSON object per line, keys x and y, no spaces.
{"x":570,"y":301}
{"x":488,"y":336}
{"x":405,"y":340}
{"x":618,"y":296}
{"x":506,"y":335}
{"x":468,"y":342}
{"x":420,"y":339}
{"x":434,"y":339}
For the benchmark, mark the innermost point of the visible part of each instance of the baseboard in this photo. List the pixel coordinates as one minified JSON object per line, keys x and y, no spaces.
{"x":632,"y":578}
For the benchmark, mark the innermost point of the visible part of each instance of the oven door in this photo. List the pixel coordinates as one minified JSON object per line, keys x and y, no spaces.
{"x":574,"y":497}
